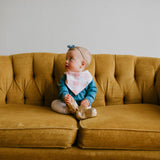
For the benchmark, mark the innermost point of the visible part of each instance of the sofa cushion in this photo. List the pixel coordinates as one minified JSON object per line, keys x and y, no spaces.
{"x":35,"y":126}
{"x":134,"y":126}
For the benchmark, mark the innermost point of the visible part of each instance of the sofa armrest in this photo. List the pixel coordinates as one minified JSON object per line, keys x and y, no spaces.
{"x":157,"y":84}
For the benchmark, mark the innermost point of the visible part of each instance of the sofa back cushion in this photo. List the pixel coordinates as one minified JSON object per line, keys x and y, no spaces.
{"x":126,"y":79}
{"x":33,"y":78}
{"x":27,"y":79}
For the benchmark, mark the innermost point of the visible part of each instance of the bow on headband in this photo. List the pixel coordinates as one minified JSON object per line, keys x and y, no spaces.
{"x":71,"y":46}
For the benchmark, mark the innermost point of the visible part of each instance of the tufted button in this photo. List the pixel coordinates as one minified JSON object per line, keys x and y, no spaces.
{"x":124,"y":99}
{"x":95,"y":75}
{"x":6,"y":99}
{"x":53,"y":76}
{"x":24,"y":99}
{"x":43,"y":99}
{"x":13,"y":76}
{"x":154,"y":80}
{"x":34,"y":75}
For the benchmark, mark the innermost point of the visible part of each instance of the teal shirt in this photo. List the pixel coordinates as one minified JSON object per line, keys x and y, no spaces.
{"x":88,"y":93}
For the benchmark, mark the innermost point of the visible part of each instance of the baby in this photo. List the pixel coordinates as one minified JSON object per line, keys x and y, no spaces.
{"x":77,"y":87}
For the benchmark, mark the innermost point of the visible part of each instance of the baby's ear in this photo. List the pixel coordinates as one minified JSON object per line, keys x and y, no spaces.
{"x":83,"y":63}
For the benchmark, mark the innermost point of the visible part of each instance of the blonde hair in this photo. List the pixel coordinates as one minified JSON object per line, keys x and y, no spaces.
{"x":86,"y":55}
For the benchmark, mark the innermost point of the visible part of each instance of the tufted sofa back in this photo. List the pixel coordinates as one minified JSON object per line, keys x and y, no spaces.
{"x":33,"y":78}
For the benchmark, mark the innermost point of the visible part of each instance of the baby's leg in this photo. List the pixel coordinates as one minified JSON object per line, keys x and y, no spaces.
{"x":86,"y":113}
{"x":73,"y":106}
{"x":60,"y":107}
{"x":91,"y":112}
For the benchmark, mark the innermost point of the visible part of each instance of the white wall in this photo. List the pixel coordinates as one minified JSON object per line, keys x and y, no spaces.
{"x":103,"y":26}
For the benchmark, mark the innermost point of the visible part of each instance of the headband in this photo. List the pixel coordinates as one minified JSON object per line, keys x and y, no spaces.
{"x":73,"y":46}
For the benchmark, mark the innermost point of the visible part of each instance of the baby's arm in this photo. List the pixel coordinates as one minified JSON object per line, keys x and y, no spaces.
{"x":63,"y":90}
{"x":91,"y":93}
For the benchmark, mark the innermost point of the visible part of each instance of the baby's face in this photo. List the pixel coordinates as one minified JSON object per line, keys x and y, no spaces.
{"x":74,"y":61}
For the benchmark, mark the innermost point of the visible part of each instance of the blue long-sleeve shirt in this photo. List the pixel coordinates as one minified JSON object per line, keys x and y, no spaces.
{"x":88,"y":93}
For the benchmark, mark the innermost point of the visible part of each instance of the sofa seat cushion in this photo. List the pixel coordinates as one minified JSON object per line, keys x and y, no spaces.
{"x":35,"y":126}
{"x":133,"y":126}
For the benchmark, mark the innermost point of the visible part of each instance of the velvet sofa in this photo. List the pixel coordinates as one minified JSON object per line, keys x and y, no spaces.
{"x":127,"y":126}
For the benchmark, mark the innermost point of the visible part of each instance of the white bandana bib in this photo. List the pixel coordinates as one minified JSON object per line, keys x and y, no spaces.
{"x":77,"y":81}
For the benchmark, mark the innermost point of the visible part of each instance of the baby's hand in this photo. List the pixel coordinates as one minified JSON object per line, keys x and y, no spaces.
{"x":85,"y":103}
{"x":67,"y":99}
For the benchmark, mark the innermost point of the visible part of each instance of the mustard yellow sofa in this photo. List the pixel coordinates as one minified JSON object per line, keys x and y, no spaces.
{"x":127,"y":126}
